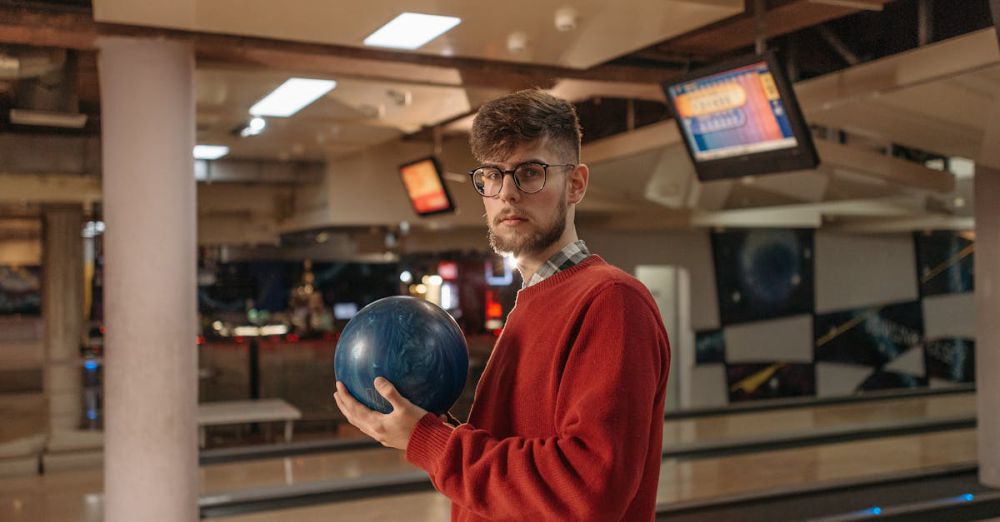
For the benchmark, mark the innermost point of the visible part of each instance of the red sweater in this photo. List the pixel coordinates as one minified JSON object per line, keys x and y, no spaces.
{"x":567,"y":421}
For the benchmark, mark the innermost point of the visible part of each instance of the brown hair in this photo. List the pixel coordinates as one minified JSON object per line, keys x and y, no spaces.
{"x":524,"y":117}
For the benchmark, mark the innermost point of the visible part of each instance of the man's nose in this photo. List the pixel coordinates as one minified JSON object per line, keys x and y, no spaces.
{"x":509,"y":190}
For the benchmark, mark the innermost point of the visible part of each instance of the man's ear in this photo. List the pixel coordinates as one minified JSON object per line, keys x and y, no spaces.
{"x":577,"y":183}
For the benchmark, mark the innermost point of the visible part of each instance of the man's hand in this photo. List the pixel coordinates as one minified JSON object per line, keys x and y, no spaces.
{"x":393,"y":429}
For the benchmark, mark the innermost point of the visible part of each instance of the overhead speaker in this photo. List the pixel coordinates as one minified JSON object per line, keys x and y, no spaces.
{"x":672,"y":180}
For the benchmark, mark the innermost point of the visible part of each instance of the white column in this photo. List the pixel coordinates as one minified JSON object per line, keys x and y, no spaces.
{"x":987,"y":201}
{"x":151,"y":386}
{"x":62,"y":310}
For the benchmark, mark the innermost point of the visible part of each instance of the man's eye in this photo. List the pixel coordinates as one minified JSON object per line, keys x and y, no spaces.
{"x":529,"y":172}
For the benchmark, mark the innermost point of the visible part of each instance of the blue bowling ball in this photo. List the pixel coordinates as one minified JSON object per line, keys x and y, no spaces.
{"x":413,"y":343}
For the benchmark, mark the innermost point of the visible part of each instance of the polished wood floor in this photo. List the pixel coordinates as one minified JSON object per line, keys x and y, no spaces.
{"x":75,"y":496}
{"x":756,"y":425}
{"x":700,"y":479}
{"x":726,"y":428}
{"x":23,"y":415}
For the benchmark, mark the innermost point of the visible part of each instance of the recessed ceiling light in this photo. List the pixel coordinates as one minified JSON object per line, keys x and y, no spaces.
{"x":255,"y":126}
{"x":411,"y":30}
{"x":291,"y":97}
{"x":210,"y":152}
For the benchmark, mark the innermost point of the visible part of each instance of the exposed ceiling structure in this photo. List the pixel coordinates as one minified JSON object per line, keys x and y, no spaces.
{"x":866,"y":99}
{"x":357,"y":114}
{"x":579,"y":35}
{"x":929,"y":100}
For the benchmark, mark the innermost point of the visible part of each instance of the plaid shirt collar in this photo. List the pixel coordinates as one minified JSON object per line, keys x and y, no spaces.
{"x":570,"y":255}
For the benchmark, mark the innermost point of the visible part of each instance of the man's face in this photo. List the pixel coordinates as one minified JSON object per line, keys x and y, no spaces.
{"x":526,"y":224}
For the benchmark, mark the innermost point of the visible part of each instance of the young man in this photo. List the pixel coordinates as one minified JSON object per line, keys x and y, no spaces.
{"x":567,"y":420}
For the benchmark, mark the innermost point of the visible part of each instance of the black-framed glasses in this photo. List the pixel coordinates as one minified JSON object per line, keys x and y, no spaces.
{"x":529,"y":177}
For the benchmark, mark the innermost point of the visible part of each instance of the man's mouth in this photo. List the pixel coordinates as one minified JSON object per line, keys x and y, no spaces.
{"x":512,"y":220}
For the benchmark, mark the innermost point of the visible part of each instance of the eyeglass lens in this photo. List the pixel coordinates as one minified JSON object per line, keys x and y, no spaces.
{"x":529,"y":177}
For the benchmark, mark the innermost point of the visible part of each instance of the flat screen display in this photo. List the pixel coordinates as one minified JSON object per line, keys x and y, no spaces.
{"x":733,"y":113}
{"x":425,"y":187}
{"x":741,"y":118}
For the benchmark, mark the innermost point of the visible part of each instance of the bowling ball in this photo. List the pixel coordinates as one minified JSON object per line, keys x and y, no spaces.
{"x":413,"y":343}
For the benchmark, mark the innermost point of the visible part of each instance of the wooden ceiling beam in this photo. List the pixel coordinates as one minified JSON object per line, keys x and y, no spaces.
{"x":49,"y":188}
{"x":783,"y":17}
{"x":78,"y":30}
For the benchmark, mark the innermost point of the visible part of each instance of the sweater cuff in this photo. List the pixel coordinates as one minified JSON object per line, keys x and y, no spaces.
{"x":427,"y":442}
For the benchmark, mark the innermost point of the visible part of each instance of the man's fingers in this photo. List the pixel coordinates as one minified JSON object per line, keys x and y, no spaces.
{"x":355,"y":412}
{"x":387,"y":390}
{"x":347,"y":398}
{"x":391,"y":430}
{"x":344,"y":408}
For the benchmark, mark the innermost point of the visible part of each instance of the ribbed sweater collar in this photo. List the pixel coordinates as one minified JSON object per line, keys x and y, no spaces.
{"x":557,"y":278}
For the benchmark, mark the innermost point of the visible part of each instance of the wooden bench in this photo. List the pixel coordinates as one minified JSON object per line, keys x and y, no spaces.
{"x":243,"y":412}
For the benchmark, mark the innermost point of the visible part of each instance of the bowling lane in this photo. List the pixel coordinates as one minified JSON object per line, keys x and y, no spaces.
{"x":65,"y":496}
{"x":755,"y":425}
{"x":677,"y":433}
{"x":74,"y":496}
{"x":23,"y":415}
{"x":701,"y":479}
{"x":416,"y":507}
{"x":714,"y":429}
{"x":297,"y":470}
{"x":70,"y":496}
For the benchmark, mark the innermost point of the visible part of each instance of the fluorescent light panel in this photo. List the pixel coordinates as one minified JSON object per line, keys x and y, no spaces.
{"x":210,"y":152}
{"x":411,"y":30}
{"x":291,"y":97}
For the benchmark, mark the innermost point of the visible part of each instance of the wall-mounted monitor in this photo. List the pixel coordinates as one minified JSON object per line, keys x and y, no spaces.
{"x":423,"y":180}
{"x":741,"y":118}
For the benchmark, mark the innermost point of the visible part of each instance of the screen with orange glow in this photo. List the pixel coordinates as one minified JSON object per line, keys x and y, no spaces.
{"x":425,"y":187}
{"x":733,"y":113}
{"x":740,"y":118}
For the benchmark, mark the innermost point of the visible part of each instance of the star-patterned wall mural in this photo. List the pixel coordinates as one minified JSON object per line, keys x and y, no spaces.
{"x":765,"y":284}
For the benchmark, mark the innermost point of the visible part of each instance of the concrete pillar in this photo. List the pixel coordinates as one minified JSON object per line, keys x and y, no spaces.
{"x":151,"y":385}
{"x":987,"y":201}
{"x":62,"y":311}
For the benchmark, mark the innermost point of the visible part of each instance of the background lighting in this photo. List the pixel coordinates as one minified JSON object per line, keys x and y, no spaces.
{"x":411,"y":30}
{"x":291,"y":97}
{"x":210,"y":152}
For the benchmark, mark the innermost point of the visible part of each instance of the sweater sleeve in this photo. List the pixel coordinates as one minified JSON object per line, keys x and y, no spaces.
{"x":591,"y":468}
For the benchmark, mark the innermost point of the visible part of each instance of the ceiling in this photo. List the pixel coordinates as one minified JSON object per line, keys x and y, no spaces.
{"x":945,"y":115}
{"x":438,"y":86}
{"x":362,"y":112}
{"x":609,"y":65}
{"x":357,"y":114}
{"x":603,"y":30}
{"x":934,"y":101}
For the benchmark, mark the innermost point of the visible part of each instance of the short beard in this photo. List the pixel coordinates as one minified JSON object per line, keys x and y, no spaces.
{"x":532,"y":243}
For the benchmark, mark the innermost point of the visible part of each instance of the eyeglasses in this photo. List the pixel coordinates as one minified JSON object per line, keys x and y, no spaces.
{"x":528,"y":177}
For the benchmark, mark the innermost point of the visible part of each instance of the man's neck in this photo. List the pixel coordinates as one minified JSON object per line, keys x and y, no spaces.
{"x":528,"y":264}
